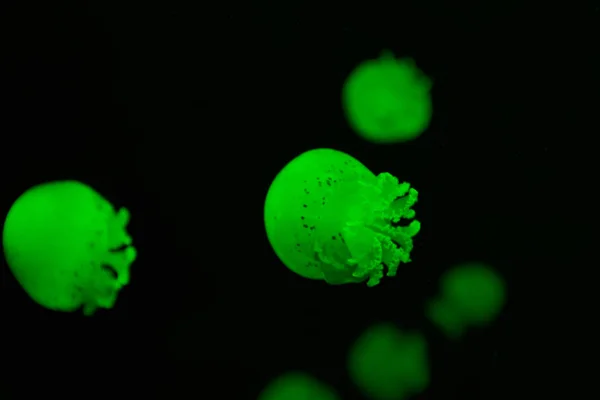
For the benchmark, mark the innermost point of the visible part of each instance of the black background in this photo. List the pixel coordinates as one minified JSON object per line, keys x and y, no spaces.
{"x":184,"y":113}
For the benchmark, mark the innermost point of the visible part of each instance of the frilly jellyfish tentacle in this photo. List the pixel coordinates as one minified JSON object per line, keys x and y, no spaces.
{"x":120,"y":261}
{"x":392,"y":256}
{"x":366,"y":252}
{"x":121,"y":254}
{"x":395,"y":202}
{"x":118,"y":235}
{"x":375,"y":278}
{"x":375,"y":242}
{"x":400,"y":197}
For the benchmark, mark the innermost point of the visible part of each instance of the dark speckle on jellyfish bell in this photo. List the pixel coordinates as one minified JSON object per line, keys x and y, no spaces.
{"x":119,"y":248}
{"x":111,"y":271}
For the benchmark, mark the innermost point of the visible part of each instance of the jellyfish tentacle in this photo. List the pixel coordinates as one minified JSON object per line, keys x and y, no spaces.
{"x":392,"y":256}
{"x":366,"y":251}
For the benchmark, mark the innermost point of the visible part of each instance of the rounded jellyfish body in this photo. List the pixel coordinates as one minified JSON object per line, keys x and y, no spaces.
{"x":327,"y":216}
{"x":471,"y":295}
{"x":68,"y":247}
{"x":296,"y":385}
{"x":387,"y":100}
{"x":388,"y":364}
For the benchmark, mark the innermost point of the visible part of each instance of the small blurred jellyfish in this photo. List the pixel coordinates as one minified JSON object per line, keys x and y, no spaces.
{"x":297,"y":385}
{"x":471,"y":295}
{"x":387,"y":100}
{"x":387,"y":364}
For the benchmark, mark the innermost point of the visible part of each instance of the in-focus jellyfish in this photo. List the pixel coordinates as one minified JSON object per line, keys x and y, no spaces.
{"x":68,"y":247}
{"x":387,"y":100}
{"x":471,"y":295}
{"x":297,"y":386}
{"x":388,"y":364}
{"x":328,"y":217}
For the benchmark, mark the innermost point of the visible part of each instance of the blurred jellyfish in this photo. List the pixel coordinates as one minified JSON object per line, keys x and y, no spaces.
{"x":472,"y":294}
{"x":297,"y":386}
{"x":387,"y":364}
{"x":387,"y":100}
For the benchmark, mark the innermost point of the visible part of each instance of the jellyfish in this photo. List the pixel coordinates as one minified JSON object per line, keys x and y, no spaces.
{"x":297,"y":385}
{"x":328,"y":217}
{"x":472,"y":295}
{"x":388,"y":364}
{"x":68,"y":247}
{"x":387,"y":100}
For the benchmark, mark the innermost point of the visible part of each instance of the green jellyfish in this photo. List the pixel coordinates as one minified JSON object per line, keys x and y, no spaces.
{"x":388,"y":364}
{"x":68,"y":247}
{"x":297,"y":385}
{"x":471,"y":295}
{"x":387,"y":100}
{"x":328,"y":217}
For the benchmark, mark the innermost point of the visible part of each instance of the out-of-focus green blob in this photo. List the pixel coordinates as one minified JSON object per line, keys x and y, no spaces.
{"x":297,"y":386}
{"x":471,"y":295}
{"x":328,"y":217}
{"x":68,"y":247}
{"x":387,"y":364}
{"x":387,"y":100}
